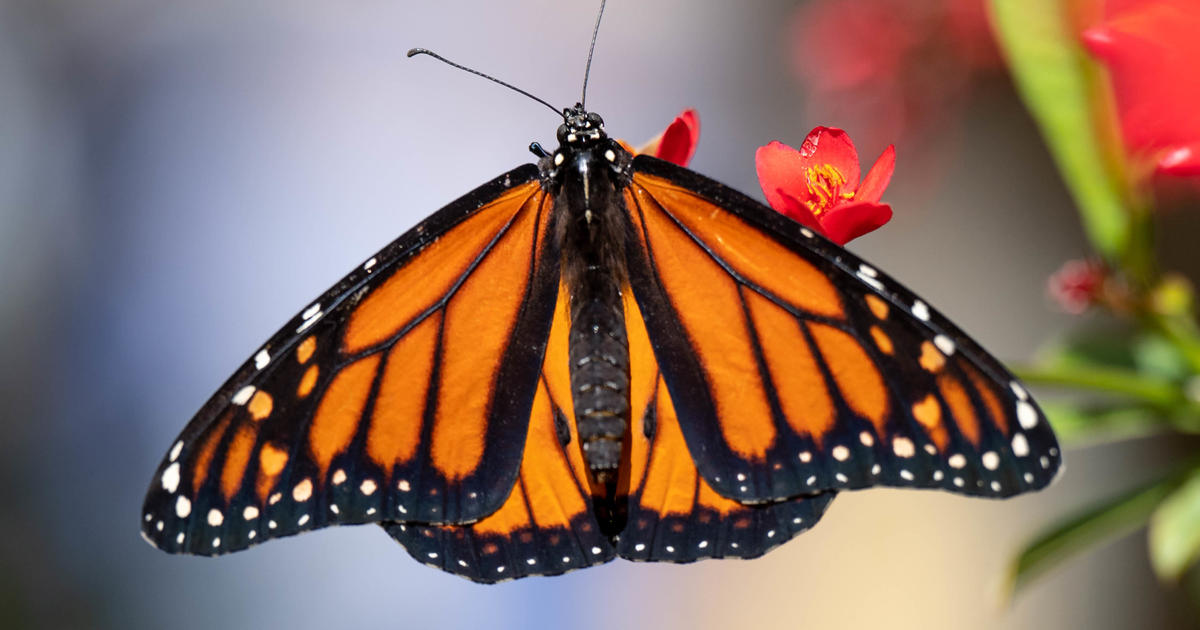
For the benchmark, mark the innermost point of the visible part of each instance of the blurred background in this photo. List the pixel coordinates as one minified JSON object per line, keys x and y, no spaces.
{"x":177,"y":179}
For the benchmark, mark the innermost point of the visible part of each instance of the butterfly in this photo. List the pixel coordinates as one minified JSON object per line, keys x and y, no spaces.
{"x":596,"y":355}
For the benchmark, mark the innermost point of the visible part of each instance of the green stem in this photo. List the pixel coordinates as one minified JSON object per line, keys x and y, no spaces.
{"x":1110,"y":380}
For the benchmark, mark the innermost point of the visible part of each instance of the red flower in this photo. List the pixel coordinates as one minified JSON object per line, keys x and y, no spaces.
{"x":678,"y":142}
{"x":818,"y":185}
{"x":1152,"y":50}
{"x":1077,"y":285}
{"x":897,"y":68}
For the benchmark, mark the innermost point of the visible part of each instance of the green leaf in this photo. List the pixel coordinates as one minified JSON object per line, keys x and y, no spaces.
{"x":1056,"y":79}
{"x":1155,"y":355}
{"x":1175,"y":531}
{"x":1107,"y":520}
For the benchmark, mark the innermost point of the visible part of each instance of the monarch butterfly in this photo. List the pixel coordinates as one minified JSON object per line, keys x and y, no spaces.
{"x":599,"y":354}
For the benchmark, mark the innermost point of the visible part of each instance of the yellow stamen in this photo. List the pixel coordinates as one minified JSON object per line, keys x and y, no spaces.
{"x":825,"y":183}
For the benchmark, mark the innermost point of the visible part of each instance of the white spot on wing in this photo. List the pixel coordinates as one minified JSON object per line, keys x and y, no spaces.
{"x":368,"y":487}
{"x":215,"y":518}
{"x":370,"y":263}
{"x":867,"y":270}
{"x":339,"y":477}
{"x":243,"y":395}
{"x":1020,"y":446}
{"x":175,"y":450}
{"x":1018,"y":390}
{"x":302,"y":491}
{"x":866,"y":438}
{"x":250,"y":513}
{"x":991,"y":460}
{"x":1026,"y":415}
{"x":945,"y":344}
{"x":262,"y":359}
{"x":183,"y":506}
{"x":957,"y":460}
{"x":805,"y":456}
{"x":870,"y":279}
{"x":920,"y":311}
{"x":806,"y":232}
{"x":841,"y":453}
{"x":170,"y":478}
{"x":903,"y":447}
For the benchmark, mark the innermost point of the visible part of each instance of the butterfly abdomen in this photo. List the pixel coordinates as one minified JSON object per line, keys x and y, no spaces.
{"x":591,"y":234}
{"x":598,"y":350}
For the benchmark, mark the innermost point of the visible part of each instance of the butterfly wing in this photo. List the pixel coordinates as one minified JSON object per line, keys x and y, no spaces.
{"x":404,"y":390}
{"x":547,"y":525}
{"x":796,"y":367}
{"x":674,"y":514}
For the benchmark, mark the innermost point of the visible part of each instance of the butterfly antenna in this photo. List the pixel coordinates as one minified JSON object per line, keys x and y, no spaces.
{"x":421,"y":51}
{"x":588,"y":70}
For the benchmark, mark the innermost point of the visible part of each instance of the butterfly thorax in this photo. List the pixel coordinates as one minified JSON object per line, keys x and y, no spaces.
{"x":588,"y":171}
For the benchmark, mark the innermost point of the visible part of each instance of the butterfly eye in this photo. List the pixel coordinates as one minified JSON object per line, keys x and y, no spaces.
{"x":562,"y":134}
{"x":595,"y":119}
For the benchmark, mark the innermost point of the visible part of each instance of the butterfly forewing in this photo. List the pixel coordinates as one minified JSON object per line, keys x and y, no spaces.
{"x":404,"y":391}
{"x":795,"y":367}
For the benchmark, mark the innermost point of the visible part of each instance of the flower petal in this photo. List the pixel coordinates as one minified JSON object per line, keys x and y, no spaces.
{"x":846,"y":223}
{"x":832,"y":146}
{"x":1150,"y":48}
{"x":1183,"y":161}
{"x":677,"y":144}
{"x":780,"y":168}
{"x":795,"y":209}
{"x":878,"y":177}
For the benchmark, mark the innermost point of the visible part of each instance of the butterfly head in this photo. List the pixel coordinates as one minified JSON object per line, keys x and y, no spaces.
{"x":580,"y":128}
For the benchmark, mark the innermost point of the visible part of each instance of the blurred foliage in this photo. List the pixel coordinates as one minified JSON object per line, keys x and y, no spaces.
{"x":1136,"y":372}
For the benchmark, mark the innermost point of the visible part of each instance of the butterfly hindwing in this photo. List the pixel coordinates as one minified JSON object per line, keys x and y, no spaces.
{"x":795,"y":367}
{"x":674,"y":515}
{"x":547,"y":525}
{"x":402,"y":391}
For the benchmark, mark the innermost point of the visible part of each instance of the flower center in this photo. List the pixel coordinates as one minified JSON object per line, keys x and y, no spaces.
{"x":825,"y":185}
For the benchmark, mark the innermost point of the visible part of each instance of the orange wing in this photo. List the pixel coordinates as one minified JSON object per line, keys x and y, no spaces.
{"x":674,"y":514}
{"x":547,"y":525}
{"x":404,"y":391}
{"x":795,"y":367}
